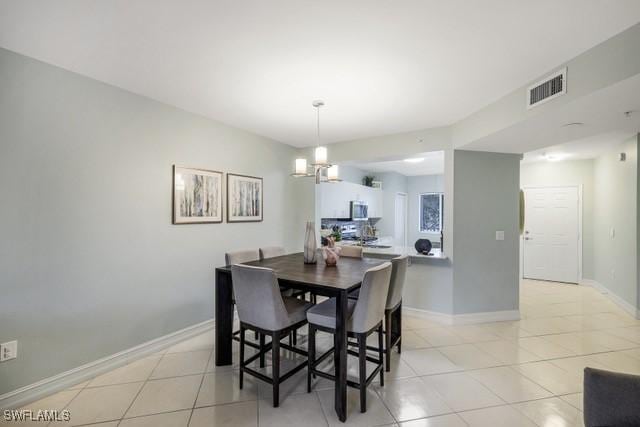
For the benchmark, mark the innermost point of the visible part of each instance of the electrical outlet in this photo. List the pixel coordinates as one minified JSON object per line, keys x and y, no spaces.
{"x":8,"y":351}
{"x":499,"y":235}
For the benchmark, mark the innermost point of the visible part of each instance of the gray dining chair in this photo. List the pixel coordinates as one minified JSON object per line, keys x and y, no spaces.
{"x":276,"y":251}
{"x":610,"y":398}
{"x":271,"y":252}
{"x":263,"y":309}
{"x":238,"y":257}
{"x":351,"y":251}
{"x":393,"y":309}
{"x":364,"y":317}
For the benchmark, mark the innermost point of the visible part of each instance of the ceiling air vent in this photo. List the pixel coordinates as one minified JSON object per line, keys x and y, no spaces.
{"x":551,"y":87}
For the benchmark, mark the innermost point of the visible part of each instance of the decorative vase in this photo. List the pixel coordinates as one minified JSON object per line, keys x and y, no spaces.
{"x":310,"y":247}
{"x":423,"y":246}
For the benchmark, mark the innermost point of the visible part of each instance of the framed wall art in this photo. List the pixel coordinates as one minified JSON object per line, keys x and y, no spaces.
{"x":244,"y":198}
{"x":197,"y":196}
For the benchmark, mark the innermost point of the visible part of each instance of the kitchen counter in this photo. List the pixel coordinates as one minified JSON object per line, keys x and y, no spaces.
{"x":394,"y":251}
{"x":429,"y":280}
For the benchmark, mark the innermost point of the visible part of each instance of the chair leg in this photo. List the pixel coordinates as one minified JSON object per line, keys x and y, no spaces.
{"x":255,"y":335}
{"x":275,"y":367}
{"x":399,"y":326}
{"x":294,"y":333}
{"x":262,"y":352}
{"x":312,"y":355}
{"x":241,"y":373}
{"x":387,"y":338}
{"x":362,"y":358}
{"x":381,"y":355}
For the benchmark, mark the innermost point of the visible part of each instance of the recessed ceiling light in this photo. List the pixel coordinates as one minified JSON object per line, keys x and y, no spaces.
{"x":572,"y":124}
{"x":414,"y":160}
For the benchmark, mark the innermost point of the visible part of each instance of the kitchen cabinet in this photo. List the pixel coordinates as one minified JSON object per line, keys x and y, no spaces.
{"x":335,"y":199}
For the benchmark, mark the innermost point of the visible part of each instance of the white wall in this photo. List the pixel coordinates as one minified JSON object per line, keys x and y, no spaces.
{"x":568,"y":173}
{"x":416,"y":186}
{"x":352,"y":174}
{"x":616,"y":189}
{"x":90,"y":263}
{"x":392,"y":183}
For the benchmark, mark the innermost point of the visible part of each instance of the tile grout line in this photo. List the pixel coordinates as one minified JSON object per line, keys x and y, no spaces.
{"x":140,"y":390}
{"x":199,"y":388}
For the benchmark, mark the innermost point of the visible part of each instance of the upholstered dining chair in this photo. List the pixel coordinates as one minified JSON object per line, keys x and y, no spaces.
{"x":271,"y":252}
{"x":610,"y":398}
{"x":365,"y":317}
{"x":276,"y":251}
{"x":263,"y":309}
{"x":238,"y":257}
{"x":351,"y":251}
{"x":393,"y":308}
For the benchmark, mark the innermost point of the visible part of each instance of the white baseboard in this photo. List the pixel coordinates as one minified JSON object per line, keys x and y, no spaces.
{"x":463,"y":319}
{"x":64,"y":380}
{"x":629,"y":308}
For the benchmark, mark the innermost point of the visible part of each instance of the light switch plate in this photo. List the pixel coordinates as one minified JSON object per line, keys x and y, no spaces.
{"x":500,"y":235}
{"x":8,"y":351}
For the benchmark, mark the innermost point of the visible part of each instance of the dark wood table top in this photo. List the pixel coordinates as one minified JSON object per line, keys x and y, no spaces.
{"x":346,"y":275}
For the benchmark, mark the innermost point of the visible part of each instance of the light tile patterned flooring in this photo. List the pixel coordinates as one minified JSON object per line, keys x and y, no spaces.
{"x":521,"y":373}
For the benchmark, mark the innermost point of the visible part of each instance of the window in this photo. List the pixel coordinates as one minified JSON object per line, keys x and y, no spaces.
{"x":431,"y":210}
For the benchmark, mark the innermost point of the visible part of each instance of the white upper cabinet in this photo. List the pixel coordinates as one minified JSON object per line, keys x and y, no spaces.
{"x":335,"y":199}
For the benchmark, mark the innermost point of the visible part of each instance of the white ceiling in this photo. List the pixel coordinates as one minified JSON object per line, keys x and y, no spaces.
{"x":433,"y":164}
{"x":586,"y":148}
{"x":382,"y":67}
{"x":602,"y":113}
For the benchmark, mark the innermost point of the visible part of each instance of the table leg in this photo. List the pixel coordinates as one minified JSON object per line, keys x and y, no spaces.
{"x":224,"y":318}
{"x":340,"y":356}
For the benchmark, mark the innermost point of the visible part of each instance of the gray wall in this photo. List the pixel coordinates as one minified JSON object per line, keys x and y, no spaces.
{"x":568,"y":173}
{"x":616,"y":189}
{"x":486,"y":199}
{"x":89,"y":262}
{"x":416,"y":186}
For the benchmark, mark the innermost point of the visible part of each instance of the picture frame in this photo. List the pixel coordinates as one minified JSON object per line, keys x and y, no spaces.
{"x":245,"y":198}
{"x":197,"y":196}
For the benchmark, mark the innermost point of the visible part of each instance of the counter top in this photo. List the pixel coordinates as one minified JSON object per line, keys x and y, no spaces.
{"x":392,"y":251}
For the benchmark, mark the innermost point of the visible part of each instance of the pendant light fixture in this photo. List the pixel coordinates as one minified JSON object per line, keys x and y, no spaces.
{"x":320,"y":163}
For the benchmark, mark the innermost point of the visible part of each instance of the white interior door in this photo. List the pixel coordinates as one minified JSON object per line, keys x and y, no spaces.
{"x":400,"y":233}
{"x":551,"y":234}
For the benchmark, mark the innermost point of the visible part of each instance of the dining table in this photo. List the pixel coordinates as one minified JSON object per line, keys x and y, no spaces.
{"x":331,"y":281}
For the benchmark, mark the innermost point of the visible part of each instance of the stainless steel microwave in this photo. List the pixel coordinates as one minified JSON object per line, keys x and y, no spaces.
{"x":359,"y":211}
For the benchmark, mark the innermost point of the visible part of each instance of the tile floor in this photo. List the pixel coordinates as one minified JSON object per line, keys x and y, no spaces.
{"x":521,"y":373}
